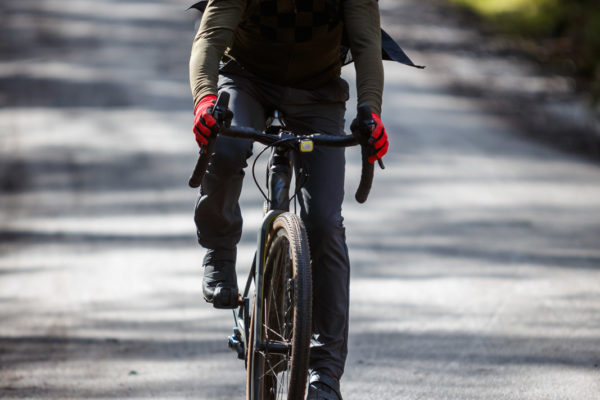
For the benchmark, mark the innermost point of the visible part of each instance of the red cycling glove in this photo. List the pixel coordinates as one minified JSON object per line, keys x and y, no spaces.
{"x":378,"y":139}
{"x":204,"y":123}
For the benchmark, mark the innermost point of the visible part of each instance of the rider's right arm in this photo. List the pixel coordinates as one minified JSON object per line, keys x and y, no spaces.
{"x":219,"y":22}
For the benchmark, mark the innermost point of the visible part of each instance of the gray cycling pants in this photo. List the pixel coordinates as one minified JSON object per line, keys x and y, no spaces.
{"x":219,"y":221}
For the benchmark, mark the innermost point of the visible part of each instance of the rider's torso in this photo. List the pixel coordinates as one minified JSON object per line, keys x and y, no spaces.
{"x":290,"y":42}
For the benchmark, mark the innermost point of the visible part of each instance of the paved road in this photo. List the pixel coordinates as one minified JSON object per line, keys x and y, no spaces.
{"x":475,"y":263}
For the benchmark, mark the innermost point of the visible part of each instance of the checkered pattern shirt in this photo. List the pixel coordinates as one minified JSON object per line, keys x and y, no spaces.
{"x":291,"y":42}
{"x":294,"y":21}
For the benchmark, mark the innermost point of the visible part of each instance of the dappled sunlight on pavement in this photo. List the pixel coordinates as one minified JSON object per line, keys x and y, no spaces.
{"x":475,"y":260}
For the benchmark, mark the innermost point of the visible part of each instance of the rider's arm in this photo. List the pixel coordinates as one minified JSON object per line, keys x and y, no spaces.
{"x":364,"y":31}
{"x":219,"y":22}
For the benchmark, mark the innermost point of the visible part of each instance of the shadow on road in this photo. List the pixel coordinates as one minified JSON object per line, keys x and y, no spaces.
{"x":473,"y":258}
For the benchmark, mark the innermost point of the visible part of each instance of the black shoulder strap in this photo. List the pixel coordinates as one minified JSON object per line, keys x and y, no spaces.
{"x":392,"y":52}
{"x":200,"y":5}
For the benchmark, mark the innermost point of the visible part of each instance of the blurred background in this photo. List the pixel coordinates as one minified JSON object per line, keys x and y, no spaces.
{"x":564,"y":34}
{"x":475,"y":261}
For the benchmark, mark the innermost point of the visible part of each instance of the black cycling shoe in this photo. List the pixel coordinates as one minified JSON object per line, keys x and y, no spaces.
{"x":323,"y":387}
{"x":219,"y":286}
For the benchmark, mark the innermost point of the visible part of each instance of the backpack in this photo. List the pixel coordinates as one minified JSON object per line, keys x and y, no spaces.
{"x":390,"y":50}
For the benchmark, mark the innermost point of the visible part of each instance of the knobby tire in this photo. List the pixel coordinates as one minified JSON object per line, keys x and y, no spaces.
{"x":285,"y":318}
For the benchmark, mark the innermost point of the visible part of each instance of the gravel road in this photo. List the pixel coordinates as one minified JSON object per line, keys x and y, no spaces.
{"x":475,"y":262}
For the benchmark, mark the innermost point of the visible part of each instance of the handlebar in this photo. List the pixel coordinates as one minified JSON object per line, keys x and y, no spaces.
{"x":285,"y":138}
{"x":288,"y":138}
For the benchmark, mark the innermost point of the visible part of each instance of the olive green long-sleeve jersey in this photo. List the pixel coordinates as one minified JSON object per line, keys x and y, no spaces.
{"x":289,"y":42}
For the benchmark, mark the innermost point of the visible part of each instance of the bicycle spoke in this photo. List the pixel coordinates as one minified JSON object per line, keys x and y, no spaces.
{"x":266,"y":326}
{"x":281,"y":379}
{"x":285,"y":386}
{"x":281,"y":332}
{"x":283,"y":339}
{"x":280,"y":391}
{"x":272,"y":367}
{"x":276,"y":312}
{"x":284,"y":374}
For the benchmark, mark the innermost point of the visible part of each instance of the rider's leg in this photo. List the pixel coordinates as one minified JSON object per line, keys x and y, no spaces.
{"x":218,"y":217}
{"x":321,"y":201}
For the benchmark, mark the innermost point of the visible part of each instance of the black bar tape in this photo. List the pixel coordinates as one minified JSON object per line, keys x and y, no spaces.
{"x":206,"y":151}
{"x":366,"y":176}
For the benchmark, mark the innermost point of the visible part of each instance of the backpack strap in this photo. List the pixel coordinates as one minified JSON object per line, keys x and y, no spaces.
{"x":200,"y":5}
{"x":390,"y":50}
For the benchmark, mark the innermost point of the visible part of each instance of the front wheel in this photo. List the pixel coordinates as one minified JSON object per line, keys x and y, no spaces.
{"x":277,"y":363}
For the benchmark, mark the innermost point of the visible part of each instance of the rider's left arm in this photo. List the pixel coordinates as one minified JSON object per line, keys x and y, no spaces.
{"x":215,"y":34}
{"x":362,"y":21}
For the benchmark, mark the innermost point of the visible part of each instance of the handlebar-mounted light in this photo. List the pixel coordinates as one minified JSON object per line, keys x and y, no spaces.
{"x":306,"y":146}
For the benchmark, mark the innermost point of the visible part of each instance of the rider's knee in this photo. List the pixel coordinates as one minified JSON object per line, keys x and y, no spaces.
{"x":230,"y":157}
{"x":227,"y":164}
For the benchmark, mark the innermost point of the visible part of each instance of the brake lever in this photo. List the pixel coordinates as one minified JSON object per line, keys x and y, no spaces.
{"x":365,"y":119}
{"x":371,"y":141}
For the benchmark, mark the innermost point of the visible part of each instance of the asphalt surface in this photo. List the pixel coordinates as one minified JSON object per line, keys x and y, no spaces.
{"x":476,"y":260}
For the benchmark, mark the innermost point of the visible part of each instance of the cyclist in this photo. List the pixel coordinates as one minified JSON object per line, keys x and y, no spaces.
{"x":285,"y":54}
